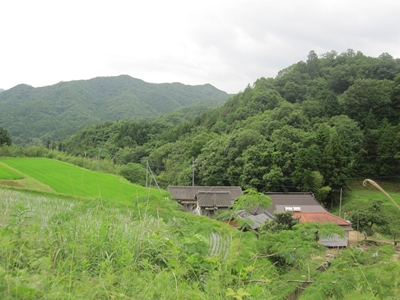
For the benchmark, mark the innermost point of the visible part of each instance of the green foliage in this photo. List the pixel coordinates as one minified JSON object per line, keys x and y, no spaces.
{"x":54,"y":112}
{"x":56,"y":247}
{"x":5,"y":138}
{"x":365,"y":95}
{"x":249,"y":200}
{"x":358,"y":273}
{"x":297,"y":245}
{"x":366,"y":215}
{"x":281,"y":221}
{"x":239,"y":294}
{"x":134,"y":173}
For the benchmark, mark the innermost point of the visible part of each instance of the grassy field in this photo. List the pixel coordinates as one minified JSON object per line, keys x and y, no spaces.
{"x":67,"y":179}
{"x":369,"y":192}
{"x":7,"y":174}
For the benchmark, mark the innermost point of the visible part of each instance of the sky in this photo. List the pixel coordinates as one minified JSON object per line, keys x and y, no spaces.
{"x":226,"y":43}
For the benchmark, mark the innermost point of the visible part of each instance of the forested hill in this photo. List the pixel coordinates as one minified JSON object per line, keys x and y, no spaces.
{"x":318,"y":123}
{"x":34,"y":115}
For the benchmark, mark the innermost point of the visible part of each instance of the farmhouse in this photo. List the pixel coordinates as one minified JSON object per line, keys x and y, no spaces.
{"x":325,"y":217}
{"x":205,"y":200}
{"x":308,"y":209}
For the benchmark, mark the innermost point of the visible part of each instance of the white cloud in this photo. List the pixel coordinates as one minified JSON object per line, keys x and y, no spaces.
{"x":225,"y":43}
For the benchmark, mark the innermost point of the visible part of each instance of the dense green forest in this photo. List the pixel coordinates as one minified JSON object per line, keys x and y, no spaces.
{"x":37,"y":115}
{"x":317,"y":124}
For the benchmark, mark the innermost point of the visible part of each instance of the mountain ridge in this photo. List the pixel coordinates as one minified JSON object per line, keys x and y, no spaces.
{"x":35,"y":115}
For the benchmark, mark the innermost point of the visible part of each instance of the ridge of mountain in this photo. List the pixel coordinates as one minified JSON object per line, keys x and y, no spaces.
{"x":35,"y":115}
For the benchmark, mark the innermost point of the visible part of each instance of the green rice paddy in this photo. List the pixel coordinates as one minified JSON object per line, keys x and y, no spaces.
{"x":67,"y":179}
{"x":8,"y":174}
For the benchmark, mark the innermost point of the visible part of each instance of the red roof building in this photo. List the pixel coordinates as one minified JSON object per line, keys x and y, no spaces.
{"x":326,"y":217}
{"x":320,"y":217}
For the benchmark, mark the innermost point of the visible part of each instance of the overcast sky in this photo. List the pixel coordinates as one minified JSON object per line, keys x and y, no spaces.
{"x":227,"y":43}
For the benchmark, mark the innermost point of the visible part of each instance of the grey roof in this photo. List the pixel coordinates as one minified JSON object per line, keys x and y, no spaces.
{"x":258,"y":220}
{"x":305,"y":201}
{"x":189,"y":192}
{"x":256,"y":210}
{"x":335,"y":241}
{"x":214,"y":199}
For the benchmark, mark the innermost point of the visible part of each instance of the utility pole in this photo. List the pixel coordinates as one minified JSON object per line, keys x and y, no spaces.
{"x":340,"y":204}
{"x":192,"y":171}
{"x":147,"y":175}
{"x":98,"y":161}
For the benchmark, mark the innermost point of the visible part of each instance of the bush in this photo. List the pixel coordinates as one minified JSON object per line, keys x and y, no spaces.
{"x":134,"y":173}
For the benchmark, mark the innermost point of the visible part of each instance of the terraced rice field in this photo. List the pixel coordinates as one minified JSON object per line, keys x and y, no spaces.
{"x":64,"y":178}
{"x":8,"y":174}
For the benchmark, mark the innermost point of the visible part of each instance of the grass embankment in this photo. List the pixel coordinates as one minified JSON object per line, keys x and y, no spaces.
{"x":358,"y":193}
{"x":369,"y":192}
{"x":67,"y":179}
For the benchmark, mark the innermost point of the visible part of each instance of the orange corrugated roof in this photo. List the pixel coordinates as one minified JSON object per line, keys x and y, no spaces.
{"x":320,"y":217}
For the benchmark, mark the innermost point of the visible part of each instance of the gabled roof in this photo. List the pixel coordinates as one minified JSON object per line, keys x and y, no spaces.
{"x":305,"y":201}
{"x":180,"y":193}
{"x":320,"y":217}
{"x":214,"y":199}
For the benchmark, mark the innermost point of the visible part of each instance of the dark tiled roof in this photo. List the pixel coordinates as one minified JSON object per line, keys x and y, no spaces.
{"x":214,"y":199}
{"x":305,"y":201}
{"x":190,"y":192}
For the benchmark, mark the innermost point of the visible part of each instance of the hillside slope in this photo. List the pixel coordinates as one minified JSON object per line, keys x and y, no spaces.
{"x":55,"y":176}
{"x":316,"y":125}
{"x":33,"y":115}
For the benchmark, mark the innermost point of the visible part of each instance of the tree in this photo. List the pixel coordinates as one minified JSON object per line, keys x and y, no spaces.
{"x":297,"y":245}
{"x":134,"y":173}
{"x":282,"y":221}
{"x":368,"y":94}
{"x":367,"y":214}
{"x":5,"y":138}
{"x":388,"y":161}
{"x":329,"y":102}
{"x":334,"y":163}
{"x":313,"y":64}
{"x":392,"y":226}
